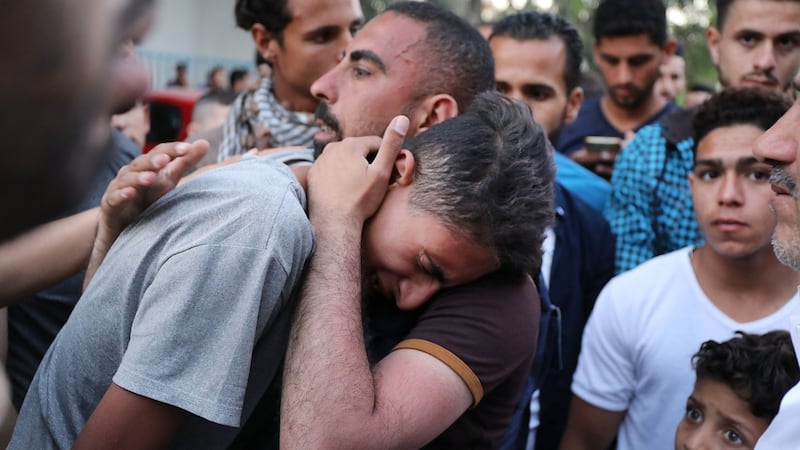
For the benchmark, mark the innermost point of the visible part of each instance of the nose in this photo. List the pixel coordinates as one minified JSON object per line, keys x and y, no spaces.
{"x":697,"y":439}
{"x":764,"y":56}
{"x":624,"y":73}
{"x":413,"y":293}
{"x":325,"y":86}
{"x":130,"y":79}
{"x":781,"y":143}
{"x":730,"y":190}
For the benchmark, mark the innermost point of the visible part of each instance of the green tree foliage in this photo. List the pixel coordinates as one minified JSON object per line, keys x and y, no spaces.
{"x":690,"y":34}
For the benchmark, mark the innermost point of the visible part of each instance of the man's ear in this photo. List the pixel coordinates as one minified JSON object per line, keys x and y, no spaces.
{"x":574,"y":102}
{"x":404,"y":167}
{"x":266,"y":44}
{"x":669,"y":48}
{"x":712,"y":38}
{"x":432,"y":110}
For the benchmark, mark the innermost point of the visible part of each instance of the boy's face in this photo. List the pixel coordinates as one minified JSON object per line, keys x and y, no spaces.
{"x":731,"y":192}
{"x":716,"y":418}
{"x":408,"y":254}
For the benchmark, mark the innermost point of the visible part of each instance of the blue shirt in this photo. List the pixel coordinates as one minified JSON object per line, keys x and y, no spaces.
{"x":582,"y":182}
{"x":592,"y":122}
{"x":650,"y":209}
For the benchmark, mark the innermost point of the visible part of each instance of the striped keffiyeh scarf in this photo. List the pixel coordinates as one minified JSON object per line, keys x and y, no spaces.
{"x":258,"y":120}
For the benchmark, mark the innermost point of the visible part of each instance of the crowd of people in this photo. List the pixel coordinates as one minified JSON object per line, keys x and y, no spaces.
{"x":407,"y":234}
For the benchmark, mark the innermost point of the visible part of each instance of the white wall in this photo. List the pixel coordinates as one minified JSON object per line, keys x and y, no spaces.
{"x":198,"y":28}
{"x":201,"y":33}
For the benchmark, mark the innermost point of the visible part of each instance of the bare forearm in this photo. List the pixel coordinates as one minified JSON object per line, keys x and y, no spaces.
{"x":328,"y":385}
{"x":45,"y":255}
{"x":590,"y":427}
{"x":104,"y":238}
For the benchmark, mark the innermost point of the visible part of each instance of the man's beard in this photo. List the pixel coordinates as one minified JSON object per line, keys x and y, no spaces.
{"x":323,"y":114}
{"x":787,"y":251}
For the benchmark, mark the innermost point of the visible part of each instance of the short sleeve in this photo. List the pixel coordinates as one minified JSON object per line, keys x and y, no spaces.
{"x":191,"y":341}
{"x":605,"y":375}
{"x":484,"y":331}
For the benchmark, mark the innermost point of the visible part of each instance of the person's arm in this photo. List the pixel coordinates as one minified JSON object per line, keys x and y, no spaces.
{"x":111,"y":424}
{"x":138,"y":185}
{"x":590,"y":427}
{"x":45,"y":255}
{"x":331,"y":397}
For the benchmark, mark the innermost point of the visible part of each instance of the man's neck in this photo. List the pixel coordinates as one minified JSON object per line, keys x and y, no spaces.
{"x":747,"y":288}
{"x":629,"y":119}
{"x":291,"y":99}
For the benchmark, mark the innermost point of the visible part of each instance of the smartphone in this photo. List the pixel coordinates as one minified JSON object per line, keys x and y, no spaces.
{"x":603,"y":144}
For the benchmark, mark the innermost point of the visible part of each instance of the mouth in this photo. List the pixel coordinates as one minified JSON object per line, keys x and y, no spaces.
{"x":325,"y":127}
{"x":780,"y":189}
{"x":728,"y":225}
{"x":760,"y":80}
{"x":782,"y":183}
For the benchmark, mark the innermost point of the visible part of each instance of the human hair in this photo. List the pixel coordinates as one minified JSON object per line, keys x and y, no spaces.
{"x":701,"y":87}
{"x":236,"y":75}
{"x":616,"y":18}
{"x":273,"y":14}
{"x":739,"y":106}
{"x":488,"y":175}
{"x":542,"y":26}
{"x":456,"y":59}
{"x":202,"y":107}
{"x":760,"y":369}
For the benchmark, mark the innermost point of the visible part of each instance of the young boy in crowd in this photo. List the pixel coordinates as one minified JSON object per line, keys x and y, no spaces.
{"x":740,"y":383}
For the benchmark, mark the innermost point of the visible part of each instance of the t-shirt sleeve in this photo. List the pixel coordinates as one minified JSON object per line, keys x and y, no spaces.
{"x":192,"y":337}
{"x":605,"y":374}
{"x":484,"y":330}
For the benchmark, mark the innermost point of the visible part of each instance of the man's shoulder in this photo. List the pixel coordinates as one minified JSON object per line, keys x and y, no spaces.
{"x":678,"y":125}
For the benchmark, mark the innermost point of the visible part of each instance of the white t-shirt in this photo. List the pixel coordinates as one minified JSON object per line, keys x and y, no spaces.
{"x":784,"y":433}
{"x":639,"y":340}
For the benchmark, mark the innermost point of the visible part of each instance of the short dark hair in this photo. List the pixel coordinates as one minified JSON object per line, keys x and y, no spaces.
{"x":529,"y":25}
{"x":760,"y":369}
{"x":701,"y":87}
{"x":457,"y":59}
{"x":273,"y":14}
{"x":202,"y":106}
{"x":488,"y":174}
{"x":236,"y":75}
{"x":739,"y":106}
{"x":615,"y":18}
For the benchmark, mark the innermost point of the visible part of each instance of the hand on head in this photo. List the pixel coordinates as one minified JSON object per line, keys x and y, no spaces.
{"x":344,"y":184}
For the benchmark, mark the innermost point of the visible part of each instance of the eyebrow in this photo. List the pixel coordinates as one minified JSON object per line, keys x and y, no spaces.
{"x":741,"y":162}
{"x":358,"y":55}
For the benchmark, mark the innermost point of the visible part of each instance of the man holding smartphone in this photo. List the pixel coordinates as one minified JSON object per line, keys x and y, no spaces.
{"x":630,"y":45}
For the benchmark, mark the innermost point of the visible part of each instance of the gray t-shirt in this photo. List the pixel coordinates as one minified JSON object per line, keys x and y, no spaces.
{"x":191,"y":303}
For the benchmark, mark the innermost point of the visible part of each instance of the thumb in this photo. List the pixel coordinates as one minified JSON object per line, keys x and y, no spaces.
{"x":391,"y":144}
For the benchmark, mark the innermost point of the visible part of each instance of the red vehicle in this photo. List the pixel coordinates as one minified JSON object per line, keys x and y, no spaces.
{"x":170,"y":114}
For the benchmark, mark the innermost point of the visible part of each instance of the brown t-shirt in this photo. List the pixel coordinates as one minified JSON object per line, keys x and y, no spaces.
{"x":486,"y":332}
